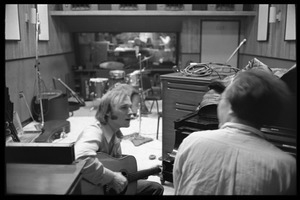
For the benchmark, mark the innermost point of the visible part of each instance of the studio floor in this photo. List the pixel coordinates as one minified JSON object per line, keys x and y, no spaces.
{"x":85,"y":115}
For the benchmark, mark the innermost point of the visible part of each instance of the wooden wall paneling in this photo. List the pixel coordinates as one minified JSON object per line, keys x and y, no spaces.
{"x":187,"y":57}
{"x":56,"y":58}
{"x":271,"y":62}
{"x":249,"y":28}
{"x":219,"y":39}
{"x":190,"y":35}
{"x":280,"y":36}
{"x":20,"y":76}
{"x":25,"y":47}
{"x":59,"y":42}
{"x":275,"y":47}
{"x":60,"y":38}
{"x":292,"y":51}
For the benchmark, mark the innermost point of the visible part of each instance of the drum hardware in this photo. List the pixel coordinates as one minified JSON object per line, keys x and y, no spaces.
{"x":146,"y":58}
{"x":116,"y":76}
{"x":98,"y":89}
{"x":99,"y":86}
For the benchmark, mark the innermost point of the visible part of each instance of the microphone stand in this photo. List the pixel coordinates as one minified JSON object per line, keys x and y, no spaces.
{"x":38,"y":74}
{"x":141,"y":98}
{"x":244,"y":40}
{"x":137,"y":137}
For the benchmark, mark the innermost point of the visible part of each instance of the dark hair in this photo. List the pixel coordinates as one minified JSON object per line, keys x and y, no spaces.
{"x":257,"y":96}
{"x":217,"y":86}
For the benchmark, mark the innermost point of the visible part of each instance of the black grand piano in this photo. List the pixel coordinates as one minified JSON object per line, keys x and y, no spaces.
{"x":282,"y":133}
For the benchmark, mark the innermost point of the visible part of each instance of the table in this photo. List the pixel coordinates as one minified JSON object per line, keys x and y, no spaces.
{"x":43,"y":178}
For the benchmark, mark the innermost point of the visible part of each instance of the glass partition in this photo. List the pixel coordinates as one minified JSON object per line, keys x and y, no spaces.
{"x":157,"y":50}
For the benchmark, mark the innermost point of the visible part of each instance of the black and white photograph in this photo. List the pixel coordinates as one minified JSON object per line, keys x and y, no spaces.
{"x":150,"y":99}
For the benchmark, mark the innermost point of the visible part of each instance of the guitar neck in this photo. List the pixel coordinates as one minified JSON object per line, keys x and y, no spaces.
{"x":142,"y":174}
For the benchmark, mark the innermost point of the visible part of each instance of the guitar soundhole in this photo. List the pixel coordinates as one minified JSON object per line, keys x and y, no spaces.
{"x":111,"y":191}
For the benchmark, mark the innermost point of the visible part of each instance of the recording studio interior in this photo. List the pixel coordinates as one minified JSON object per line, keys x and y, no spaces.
{"x":61,"y":59}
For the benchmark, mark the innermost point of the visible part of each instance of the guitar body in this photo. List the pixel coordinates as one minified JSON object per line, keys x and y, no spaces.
{"x":127,"y":165}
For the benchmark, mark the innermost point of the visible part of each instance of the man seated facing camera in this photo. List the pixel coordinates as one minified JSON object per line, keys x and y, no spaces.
{"x":104,"y":135}
{"x":236,"y":159}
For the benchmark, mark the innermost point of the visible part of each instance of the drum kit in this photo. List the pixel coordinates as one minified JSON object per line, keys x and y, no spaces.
{"x":99,"y":86}
{"x":134,"y":78}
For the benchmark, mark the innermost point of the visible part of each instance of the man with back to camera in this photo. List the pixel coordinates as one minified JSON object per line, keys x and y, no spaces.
{"x":104,"y":136}
{"x":236,"y":159}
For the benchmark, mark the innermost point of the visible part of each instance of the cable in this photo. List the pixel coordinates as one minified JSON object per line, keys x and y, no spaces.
{"x":23,"y":95}
{"x":206,"y":69}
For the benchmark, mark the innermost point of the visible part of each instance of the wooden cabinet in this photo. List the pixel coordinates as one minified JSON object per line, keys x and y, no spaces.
{"x":181,"y":96}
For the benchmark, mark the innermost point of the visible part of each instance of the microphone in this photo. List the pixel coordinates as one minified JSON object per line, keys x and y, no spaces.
{"x":244,"y":40}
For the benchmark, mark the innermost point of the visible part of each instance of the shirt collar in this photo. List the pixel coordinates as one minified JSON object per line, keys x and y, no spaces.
{"x":243,"y":127}
{"x":107,"y":131}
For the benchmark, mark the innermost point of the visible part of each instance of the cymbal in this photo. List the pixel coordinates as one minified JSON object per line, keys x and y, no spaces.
{"x":112,"y":65}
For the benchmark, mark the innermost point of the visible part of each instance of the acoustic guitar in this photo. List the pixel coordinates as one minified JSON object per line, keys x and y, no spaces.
{"x":127,"y":165}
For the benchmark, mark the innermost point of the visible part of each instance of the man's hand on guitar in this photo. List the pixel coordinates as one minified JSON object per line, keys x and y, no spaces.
{"x":118,"y":183}
{"x":159,"y":167}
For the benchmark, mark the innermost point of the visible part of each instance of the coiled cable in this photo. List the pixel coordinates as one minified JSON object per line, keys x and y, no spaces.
{"x":207,"y":69}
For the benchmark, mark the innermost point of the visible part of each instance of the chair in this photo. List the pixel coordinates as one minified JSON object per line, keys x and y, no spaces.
{"x":159,"y":116}
{"x":151,"y":93}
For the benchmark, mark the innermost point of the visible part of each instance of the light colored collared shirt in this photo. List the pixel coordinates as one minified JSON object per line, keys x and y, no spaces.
{"x":232,"y":160}
{"x":96,"y":138}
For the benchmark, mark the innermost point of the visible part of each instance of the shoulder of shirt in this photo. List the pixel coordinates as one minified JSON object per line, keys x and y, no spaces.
{"x":92,"y":131}
{"x":204,"y":132}
{"x":201,"y":134}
